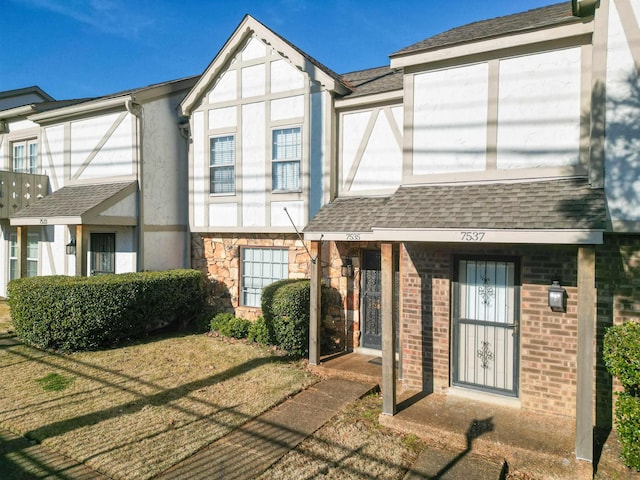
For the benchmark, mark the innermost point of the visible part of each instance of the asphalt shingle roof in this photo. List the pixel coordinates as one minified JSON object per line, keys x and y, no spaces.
{"x":545,"y":205}
{"x":374,"y":80}
{"x":551,"y":16}
{"x":72,"y":200}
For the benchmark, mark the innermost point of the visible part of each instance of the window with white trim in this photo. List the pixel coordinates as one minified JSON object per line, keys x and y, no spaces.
{"x":25,"y":156}
{"x":222,"y":164}
{"x":261,"y":267}
{"x":286,"y":155}
{"x":32,"y":255}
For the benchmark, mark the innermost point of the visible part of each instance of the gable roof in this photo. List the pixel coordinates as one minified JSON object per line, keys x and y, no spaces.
{"x":247,"y":27}
{"x":539,"y":18}
{"x":73,"y":204}
{"x":563,"y":204}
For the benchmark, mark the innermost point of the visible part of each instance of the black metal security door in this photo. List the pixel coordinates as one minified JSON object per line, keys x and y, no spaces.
{"x":485,"y":325}
{"x":103,"y":253}
{"x":370,"y":294}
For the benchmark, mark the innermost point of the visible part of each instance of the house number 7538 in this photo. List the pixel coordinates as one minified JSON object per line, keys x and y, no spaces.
{"x":471,"y":236}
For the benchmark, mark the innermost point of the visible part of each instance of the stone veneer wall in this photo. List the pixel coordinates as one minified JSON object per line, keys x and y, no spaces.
{"x":218,"y":255}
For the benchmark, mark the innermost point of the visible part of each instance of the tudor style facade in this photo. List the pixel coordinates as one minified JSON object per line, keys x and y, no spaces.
{"x":94,"y":185}
{"x":261,"y":142}
{"x":442,"y":196}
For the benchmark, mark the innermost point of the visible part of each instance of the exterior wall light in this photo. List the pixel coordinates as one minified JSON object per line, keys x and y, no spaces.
{"x":557,"y":297}
{"x":346,"y":270}
{"x":71,"y":247}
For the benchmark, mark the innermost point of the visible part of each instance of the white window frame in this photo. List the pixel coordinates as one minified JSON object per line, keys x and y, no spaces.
{"x":225,"y":163}
{"x":260,"y":267}
{"x":33,"y":239}
{"x":282,"y":154}
{"x":28,"y":161}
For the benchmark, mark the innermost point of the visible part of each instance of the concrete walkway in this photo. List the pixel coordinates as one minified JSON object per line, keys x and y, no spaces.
{"x":249,"y":450}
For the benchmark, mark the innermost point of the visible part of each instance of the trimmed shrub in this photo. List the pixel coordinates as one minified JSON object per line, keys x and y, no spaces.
{"x":622,"y":357}
{"x":87,"y":313}
{"x":229,"y":326}
{"x":260,"y":332}
{"x":290,"y":310}
{"x":221,"y":320}
{"x":622,"y":354}
{"x":628,"y":428}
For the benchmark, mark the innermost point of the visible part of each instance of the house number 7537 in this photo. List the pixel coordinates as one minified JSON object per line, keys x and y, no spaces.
{"x":471,"y":236}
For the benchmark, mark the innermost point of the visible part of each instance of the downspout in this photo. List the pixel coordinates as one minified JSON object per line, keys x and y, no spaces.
{"x":185,"y":132}
{"x":136,"y":110}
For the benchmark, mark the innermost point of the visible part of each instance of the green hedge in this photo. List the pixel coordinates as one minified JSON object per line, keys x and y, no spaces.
{"x":622,"y":357}
{"x":87,"y":313}
{"x":285,"y":306}
{"x":230,"y":326}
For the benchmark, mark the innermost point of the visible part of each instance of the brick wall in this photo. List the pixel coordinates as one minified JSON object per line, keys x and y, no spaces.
{"x":425,"y":327}
{"x":618,"y":286}
{"x":548,"y":340}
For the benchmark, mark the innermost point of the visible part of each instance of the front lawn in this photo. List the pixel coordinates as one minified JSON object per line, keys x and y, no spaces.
{"x":134,"y":411}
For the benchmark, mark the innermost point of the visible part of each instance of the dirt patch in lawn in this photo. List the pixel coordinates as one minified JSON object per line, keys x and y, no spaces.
{"x":133,"y":412}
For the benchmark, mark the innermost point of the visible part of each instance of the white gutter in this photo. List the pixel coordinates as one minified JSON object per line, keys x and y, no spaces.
{"x":17,"y":111}
{"x":82,"y":108}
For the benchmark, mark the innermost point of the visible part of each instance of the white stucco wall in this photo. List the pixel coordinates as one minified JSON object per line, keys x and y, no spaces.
{"x":539,"y":110}
{"x":200,"y":189}
{"x":225,"y":88}
{"x":254,"y":176}
{"x":378,"y":156}
{"x":223,"y":215}
{"x":285,"y":77}
{"x":622,"y":146}
{"x":450,"y":120}
{"x":114,"y":155}
{"x":52,"y":155}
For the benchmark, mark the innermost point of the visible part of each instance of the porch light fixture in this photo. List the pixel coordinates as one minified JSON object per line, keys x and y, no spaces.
{"x":71,"y":247}
{"x":557,"y":297}
{"x":346,"y":270}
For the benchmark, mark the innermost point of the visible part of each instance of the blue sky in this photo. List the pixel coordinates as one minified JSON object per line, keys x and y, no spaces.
{"x":86,"y":48}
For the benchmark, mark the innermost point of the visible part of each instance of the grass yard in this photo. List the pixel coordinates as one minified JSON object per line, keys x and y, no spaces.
{"x":352,"y":446}
{"x":134,"y":411}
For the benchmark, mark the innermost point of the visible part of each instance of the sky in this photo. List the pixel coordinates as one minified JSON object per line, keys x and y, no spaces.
{"x":90,"y":48}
